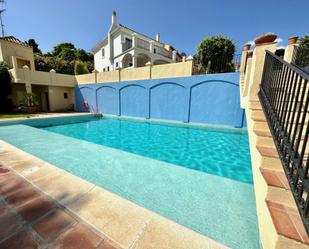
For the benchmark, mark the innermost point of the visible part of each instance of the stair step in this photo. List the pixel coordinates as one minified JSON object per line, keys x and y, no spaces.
{"x":285,"y":215}
{"x":266,"y":147}
{"x":258,"y":115}
{"x":261,"y":129}
{"x":275,"y":178}
{"x":271,"y":163}
{"x":255,"y":105}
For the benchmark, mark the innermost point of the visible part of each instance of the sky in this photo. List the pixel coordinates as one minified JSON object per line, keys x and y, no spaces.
{"x":182,"y":23}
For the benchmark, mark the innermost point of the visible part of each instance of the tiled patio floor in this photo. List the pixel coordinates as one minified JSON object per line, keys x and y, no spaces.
{"x":29,"y":219}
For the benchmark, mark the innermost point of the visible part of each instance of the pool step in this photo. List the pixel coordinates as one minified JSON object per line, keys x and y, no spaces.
{"x":285,"y":217}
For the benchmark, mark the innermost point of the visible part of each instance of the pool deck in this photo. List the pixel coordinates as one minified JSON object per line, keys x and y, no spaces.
{"x":42,"y":206}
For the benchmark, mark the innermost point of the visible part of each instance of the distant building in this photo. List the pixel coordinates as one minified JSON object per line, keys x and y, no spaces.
{"x":54,"y":92}
{"x":124,"y":48}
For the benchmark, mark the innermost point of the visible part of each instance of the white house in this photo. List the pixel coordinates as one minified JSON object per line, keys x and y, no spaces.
{"x":124,"y":47}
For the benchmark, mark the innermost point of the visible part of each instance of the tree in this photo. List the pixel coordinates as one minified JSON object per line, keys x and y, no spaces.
{"x":216,"y":53}
{"x":80,"y":67}
{"x":304,"y":42}
{"x":32,"y":43}
{"x":62,"y":49}
{"x":62,"y":58}
{"x":5,"y":88}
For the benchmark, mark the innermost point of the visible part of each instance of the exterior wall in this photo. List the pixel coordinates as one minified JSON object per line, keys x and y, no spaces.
{"x":117,"y":45}
{"x":9,"y":51}
{"x":181,"y":69}
{"x":172,"y":70}
{"x":57,"y":101}
{"x":42,"y":78}
{"x":17,"y":95}
{"x":212,"y":99}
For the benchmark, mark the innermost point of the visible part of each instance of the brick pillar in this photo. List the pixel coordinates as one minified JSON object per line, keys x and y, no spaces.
{"x":289,"y":50}
{"x":257,"y":66}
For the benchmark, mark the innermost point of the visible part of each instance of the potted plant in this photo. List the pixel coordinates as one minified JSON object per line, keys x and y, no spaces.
{"x":268,"y":37}
{"x":30,"y":103}
{"x":246,"y":47}
{"x":292,"y":40}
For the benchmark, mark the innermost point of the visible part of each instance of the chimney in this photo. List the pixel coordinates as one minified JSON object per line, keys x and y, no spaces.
{"x":158,"y":37}
{"x":114,"y":18}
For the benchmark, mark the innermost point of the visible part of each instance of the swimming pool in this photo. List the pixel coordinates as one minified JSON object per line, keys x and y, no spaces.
{"x":211,"y":191}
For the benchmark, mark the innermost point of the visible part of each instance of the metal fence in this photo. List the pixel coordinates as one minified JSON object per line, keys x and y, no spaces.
{"x":300,"y":58}
{"x":284,"y":98}
{"x":220,"y":64}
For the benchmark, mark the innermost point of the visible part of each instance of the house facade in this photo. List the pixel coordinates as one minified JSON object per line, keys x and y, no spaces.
{"x":53,"y":91}
{"x":125,"y":48}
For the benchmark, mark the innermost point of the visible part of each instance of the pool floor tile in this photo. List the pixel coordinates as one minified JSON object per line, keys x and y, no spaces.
{"x":79,"y":237}
{"x":51,"y":226}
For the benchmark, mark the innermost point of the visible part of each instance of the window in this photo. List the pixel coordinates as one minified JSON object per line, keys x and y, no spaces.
{"x":130,"y":64}
{"x":65,"y":95}
{"x":107,"y":69}
{"x":154,"y":50}
{"x":117,"y":64}
{"x":103,"y":69}
{"x":21,"y":63}
{"x":103,"y":52}
{"x":127,"y":44}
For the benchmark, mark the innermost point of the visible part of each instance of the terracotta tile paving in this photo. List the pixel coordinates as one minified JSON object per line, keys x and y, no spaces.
{"x":29,"y":219}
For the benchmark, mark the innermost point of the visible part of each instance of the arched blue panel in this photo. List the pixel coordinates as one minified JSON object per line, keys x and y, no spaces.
{"x":85,"y":94}
{"x":134,"y":101}
{"x":108,"y":100}
{"x":168,"y":101}
{"x":216,"y":102}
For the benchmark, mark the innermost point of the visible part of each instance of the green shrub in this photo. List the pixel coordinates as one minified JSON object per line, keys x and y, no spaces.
{"x":5,"y":88}
{"x":80,"y":67}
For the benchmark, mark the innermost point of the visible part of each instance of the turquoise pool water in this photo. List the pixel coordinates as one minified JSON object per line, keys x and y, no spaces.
{"x":218,"y":152}
{"x":222,"y":208}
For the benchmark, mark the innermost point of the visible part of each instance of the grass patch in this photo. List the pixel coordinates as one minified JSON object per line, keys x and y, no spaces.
{"x":14,"y":115}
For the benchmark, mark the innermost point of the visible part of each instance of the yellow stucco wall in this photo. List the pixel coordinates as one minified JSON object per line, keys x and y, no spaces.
{"x":111,"y":76}
{"x":140,"y":73}
{"x":181,"y":69}
{"x":57,"y":101}
{"x":9,"y":49}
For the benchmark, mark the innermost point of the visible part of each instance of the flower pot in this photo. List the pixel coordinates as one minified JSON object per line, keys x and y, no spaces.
{"x":265,"y":39}
{"x":30,"y":109}
{"x":246,"y":47}
{"x":292,"y":40}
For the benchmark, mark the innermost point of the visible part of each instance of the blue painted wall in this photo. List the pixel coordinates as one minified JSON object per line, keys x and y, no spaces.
{"x":212,"y":99}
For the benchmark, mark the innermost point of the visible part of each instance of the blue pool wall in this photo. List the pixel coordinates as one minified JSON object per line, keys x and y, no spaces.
{"x":212,"y":99}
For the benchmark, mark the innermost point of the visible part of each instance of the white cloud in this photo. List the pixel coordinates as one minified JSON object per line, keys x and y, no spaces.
{"x":279,"y":40}
{"x":281,"y":47}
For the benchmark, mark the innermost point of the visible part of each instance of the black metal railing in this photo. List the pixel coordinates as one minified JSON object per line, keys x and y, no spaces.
{"x":219,"y":64}
{"x":300,"y":58}
{"x":284,"y":95}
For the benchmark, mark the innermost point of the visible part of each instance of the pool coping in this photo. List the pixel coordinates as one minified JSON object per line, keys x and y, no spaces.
{"x":123,"y":222}
{"x":177,"y":123}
